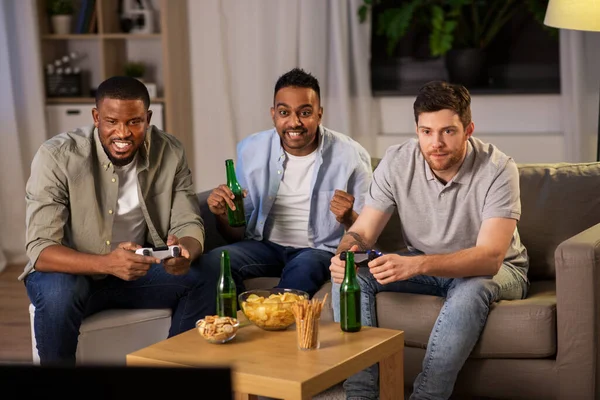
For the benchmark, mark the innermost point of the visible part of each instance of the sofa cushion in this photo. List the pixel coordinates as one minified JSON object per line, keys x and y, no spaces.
{"x":514,"y":329}
{"x":558,"y":201}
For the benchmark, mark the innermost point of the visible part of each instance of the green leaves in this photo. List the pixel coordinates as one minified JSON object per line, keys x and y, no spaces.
{"x":60,"y":7}
{"x":394,"y":22}
{"x":442,"y":32}
{"x":451,"y":23}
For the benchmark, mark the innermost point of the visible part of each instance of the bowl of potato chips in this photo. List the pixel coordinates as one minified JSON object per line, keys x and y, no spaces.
{"x":270,"y":309}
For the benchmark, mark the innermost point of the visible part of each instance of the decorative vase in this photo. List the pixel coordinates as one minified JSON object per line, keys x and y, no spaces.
{"x":61,"y":24}
{"x":467,"y":67}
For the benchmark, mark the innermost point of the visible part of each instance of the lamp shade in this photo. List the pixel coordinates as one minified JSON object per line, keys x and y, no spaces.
{"x":581,"y":15}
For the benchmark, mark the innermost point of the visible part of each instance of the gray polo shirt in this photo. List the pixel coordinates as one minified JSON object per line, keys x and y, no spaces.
{"x":438,"y":218}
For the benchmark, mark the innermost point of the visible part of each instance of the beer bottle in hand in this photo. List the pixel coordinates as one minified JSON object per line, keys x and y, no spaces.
{"x":350,"y":297}
{"x":226,"y":293}
{"x":235,"y":217}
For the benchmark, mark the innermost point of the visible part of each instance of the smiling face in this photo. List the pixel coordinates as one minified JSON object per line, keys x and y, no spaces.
{"x":443,"y":141}
{"x":122,"y":128}
{"x":297,"y":115}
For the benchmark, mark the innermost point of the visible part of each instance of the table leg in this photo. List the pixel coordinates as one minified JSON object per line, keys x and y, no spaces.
{"x":391,"y":376}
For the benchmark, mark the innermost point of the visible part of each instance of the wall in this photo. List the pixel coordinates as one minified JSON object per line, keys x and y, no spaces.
{"x":526,"y":127}
{"x":22,"y":124}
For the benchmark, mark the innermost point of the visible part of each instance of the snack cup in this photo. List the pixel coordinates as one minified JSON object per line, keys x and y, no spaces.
{"x":308,"y":334}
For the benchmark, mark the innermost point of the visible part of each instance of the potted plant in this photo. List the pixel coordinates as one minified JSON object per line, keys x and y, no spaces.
{"x":460,"y":30}
{"x":135,"y":69}
{"x":61,"y":14}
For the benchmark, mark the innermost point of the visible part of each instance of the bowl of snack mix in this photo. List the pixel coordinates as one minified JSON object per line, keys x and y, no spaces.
{"x":270,"y":309}
{"x":217,"y":329}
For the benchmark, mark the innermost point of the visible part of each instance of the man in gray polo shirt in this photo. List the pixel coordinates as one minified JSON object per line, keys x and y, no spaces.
{"x":458,"y":201}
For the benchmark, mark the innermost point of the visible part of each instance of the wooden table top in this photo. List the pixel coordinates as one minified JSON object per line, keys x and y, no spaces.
{"x":266,"y":362}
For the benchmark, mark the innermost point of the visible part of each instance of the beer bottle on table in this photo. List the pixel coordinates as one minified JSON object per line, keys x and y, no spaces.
{"x":350,"y":297}
{"x":226,"y":293}
{"x":235,"y":217}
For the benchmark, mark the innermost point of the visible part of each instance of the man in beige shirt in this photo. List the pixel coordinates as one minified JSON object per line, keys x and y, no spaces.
{"x":95,"y":196}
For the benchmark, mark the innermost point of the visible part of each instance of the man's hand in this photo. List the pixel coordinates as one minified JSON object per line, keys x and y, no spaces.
{"x":177,"y":265}
{"x":125,"y":264}
{"x":338,"y":267}
{"x":393,"y":267}
{"x":341,"y":206}
{"x":219,"y":198}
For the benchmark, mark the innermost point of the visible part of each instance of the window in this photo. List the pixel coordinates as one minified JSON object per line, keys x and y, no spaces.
{"x":522,"y":58}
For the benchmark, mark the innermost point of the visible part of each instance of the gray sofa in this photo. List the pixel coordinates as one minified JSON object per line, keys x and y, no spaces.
{"x":546,"y":346}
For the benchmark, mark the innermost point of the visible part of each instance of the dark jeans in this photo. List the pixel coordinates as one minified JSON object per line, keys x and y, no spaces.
{"x":62,"y":301}
{"x":299,"y":268}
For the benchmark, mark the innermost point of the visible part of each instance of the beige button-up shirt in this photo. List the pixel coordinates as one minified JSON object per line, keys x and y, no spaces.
{"x":73,"y":188}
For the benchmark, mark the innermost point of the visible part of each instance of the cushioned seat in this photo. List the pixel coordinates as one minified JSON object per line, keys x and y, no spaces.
{"x":514,"y":329}
{"x":108,"y":336}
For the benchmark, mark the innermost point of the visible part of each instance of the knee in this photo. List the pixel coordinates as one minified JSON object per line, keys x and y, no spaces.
{"x":58,"y":291}
{"x":478,"y":291}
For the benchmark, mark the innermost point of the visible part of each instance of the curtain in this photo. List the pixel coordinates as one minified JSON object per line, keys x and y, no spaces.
{"x":22,"y":125}
{"x":580,"y":88}
{"x":239,"y":49}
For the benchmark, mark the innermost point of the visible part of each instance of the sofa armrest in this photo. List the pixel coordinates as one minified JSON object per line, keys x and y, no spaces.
{"x":212,"y":237}
{"x":578,"y":314}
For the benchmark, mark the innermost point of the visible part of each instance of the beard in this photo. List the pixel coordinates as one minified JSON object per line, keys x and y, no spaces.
{"x":118,"y":162}
{"x":452,"y":159}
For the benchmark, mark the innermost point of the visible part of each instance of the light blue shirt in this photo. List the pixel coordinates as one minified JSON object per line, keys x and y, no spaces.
{"x":341,"y":163}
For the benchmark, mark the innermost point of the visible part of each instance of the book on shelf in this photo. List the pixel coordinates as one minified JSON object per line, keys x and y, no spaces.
{"x":86,"y":17}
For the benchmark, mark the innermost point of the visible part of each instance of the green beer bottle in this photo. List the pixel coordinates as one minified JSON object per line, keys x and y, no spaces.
{"x":350,"y":297}
{"x":235,"y":217}
{"x":226,"y":293}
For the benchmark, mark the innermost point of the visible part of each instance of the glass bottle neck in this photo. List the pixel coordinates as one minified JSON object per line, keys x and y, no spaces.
{"x":230,"y":171}
{"x":225,"y":264}
{"x":350,"y":270}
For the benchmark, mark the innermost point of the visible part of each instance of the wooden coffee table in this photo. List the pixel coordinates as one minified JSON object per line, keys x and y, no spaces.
{"x":269,"y":363}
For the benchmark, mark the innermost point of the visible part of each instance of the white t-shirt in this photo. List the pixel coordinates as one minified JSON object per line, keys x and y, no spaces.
{"x":128,"y":223}
{"x":287,"y":224}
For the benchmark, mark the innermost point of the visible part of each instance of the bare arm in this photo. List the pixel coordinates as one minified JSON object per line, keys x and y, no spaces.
{"x":192,"y":245}
{"x":482,"y":260}
{"x":363,"y":234}
{"x":121,"y":262}
{"x":366,"y":229}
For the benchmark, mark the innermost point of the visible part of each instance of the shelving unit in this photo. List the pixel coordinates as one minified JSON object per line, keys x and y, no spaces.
{"x":105,"y":53}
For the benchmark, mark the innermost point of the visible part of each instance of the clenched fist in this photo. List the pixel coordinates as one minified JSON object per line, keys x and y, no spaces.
{"x":341,"y":206}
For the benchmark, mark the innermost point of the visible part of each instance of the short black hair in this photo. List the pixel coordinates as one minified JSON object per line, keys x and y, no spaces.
{"x":298,"y":78}
{"x":440,"y":95}
{"x":123,"y":88}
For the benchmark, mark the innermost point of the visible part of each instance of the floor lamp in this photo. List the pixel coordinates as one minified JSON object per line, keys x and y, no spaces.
{"x":580,"y":15}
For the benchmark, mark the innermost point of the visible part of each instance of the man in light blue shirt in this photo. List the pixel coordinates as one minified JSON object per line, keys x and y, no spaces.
{"x":304,"y":185}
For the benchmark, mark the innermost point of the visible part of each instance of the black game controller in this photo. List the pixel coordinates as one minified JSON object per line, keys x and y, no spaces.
{"x":362,"y":256}
{"x":160,"y":252}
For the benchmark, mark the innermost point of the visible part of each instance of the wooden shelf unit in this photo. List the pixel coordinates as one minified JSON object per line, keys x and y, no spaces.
{"x":165,"y":53}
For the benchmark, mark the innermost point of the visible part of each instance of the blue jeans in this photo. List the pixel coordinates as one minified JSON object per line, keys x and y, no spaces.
{"x":454,"y":334}
{"x":62,"y":301}
{"x":298,"y":268}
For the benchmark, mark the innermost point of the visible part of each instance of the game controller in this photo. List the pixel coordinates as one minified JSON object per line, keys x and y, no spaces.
{"x":362,"y":256}
{"x":160,"y":252}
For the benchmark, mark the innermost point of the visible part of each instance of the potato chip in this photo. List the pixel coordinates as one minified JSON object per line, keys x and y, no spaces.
{"x":273,"y":312}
